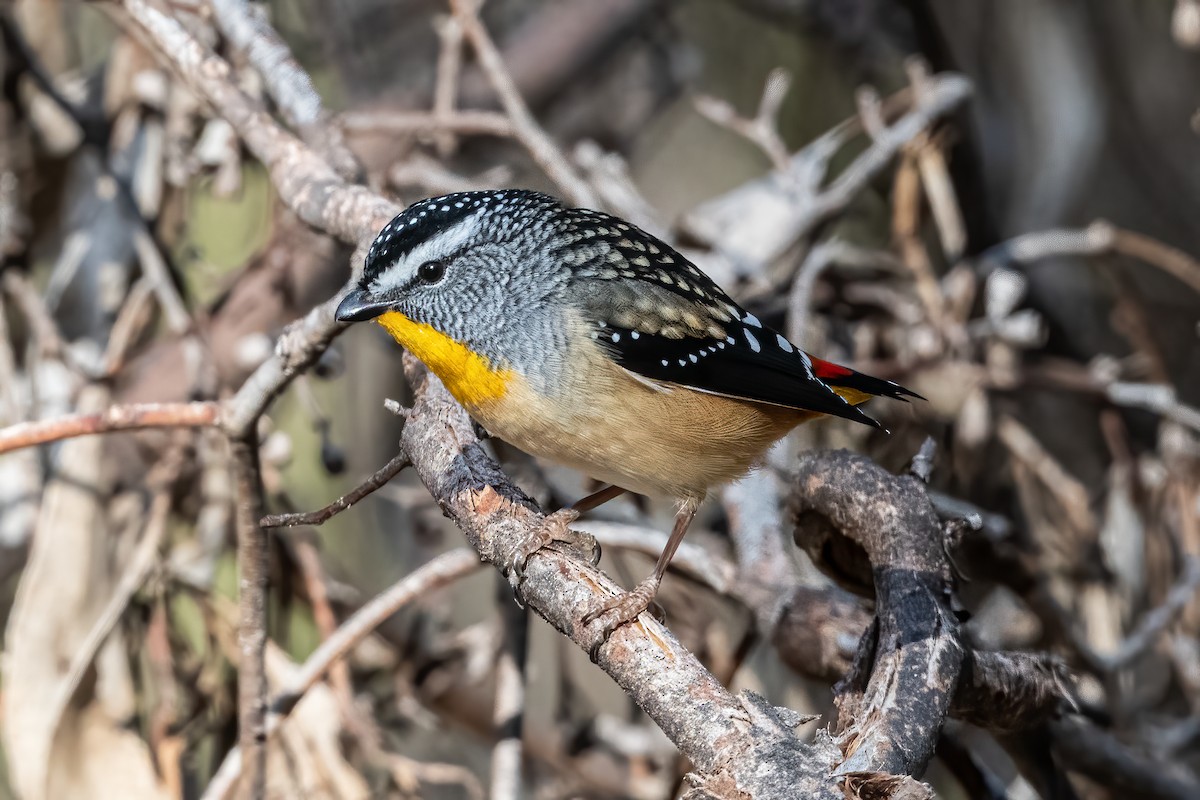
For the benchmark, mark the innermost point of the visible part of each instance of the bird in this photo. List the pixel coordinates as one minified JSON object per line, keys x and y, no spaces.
{"x":580,"y":338}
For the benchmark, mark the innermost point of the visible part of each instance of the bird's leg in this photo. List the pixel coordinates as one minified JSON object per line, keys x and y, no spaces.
{"x":556,"y":528}
{"x":624,"y":608}
{"x":598,"y":498}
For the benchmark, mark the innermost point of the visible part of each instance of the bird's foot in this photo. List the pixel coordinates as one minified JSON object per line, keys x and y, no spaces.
{"x":623,"y":609}
{"x":555,"y":530}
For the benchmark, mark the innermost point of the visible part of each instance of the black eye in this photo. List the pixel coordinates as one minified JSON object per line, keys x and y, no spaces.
{"x":431,"y":271}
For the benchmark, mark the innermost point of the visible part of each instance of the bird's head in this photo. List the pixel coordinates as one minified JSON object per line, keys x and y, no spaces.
{"x":461,"y":263}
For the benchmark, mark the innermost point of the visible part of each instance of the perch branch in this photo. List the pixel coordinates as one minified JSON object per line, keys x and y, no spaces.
{"x":740,"y":741}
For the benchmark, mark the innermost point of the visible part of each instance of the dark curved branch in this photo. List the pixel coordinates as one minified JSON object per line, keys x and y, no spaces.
{"x":894,"y":701}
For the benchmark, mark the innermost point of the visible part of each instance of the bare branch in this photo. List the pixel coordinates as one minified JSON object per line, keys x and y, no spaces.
{"x":897,"y":695}
{"x":310,"y":187}
{"x":763,"y":129}
{"x":508,"y":709}
{"x":1098,"y":239}
{"x":740,"y":742}
{"x":288,"y":84}
{"x":488,"y":123}
{"x":787,"y":206}
{"x":118,"y":418}
{"x":252,"y":561}
{"x":539,"y":144}
{"x":321,"y":515}
{"x":439,"y":572}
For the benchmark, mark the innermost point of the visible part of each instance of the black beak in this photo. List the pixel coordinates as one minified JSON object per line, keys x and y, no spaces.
{"x":358,"y":306}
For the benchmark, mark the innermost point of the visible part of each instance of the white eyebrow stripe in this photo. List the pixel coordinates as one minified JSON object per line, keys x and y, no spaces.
{"x":441,"y":244}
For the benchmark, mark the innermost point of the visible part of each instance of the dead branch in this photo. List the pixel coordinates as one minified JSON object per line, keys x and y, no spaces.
{"x":487,"y":123}
{"x":286,"y":81}
{"x":1102,"y":758}
{"x":762,"y":130}
{"x":508,"y":709}
{"x":898,"y":693}
{"x":737,"y":744}
{"x":789,"y":206}
{"x":310,"y":187}
{"x":439,"y":572}
{"x":526,"y":129}
{"x":130,"y":417}
{"x":1101,"y":238}
{"x":321,"y":515}
{"x":252,"y":559}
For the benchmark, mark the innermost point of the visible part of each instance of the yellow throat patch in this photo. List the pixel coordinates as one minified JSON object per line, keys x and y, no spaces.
{"x":468,"y":375}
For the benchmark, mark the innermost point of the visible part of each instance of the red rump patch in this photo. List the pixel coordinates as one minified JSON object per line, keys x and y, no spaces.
{"x":826,"y":370}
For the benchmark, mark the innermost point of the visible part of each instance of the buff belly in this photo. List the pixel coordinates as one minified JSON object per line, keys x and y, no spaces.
{"x":661,"y":441}
{"x":676,"y":445}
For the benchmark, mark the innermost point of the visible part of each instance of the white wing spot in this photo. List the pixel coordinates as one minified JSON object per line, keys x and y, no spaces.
{"x":754,"y":345}
{"x":634,"y":334}
{"x":721,"y":345}
{"x":750,"y":319}
{"x":682,"y":362}
{"x":665,"y":362}
{"x":693,"y":358}
{"x":616,"y":337}
{"x":729,"y":340}
{"x":784,"y":344}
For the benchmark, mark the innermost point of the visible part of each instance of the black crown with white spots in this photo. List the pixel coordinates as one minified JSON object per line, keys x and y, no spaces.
{"x":504,"y":209}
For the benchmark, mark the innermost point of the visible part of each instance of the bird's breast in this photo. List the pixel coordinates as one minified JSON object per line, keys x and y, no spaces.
{"x":470,"y":377}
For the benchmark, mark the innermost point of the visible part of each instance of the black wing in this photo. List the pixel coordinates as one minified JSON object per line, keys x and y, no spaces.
{"x":660,"y":317}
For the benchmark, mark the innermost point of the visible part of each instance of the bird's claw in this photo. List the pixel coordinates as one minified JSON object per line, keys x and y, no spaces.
{"x":555,"y":530}
{"x":623,"y":609}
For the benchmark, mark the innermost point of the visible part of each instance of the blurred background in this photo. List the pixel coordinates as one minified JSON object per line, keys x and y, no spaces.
{"x":1020,"y":257}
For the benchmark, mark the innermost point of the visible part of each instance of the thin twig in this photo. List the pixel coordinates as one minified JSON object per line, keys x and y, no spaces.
{"x":321,"y":515}
{"x":435,"y":574}
{"x":129,"y":417}
{"x":539,"y":144}
{"x":1159,"y":399}
{"x":1157,"y":620}
{"x":445,"y":89}
{"x":37,"y":315}
{"x":316,"y":585}
{"x":488,"y":123}
{"x":763,"y":129}
{"x":135,"y":570}
{"x":156,"y":271}
{"x":1098,"y":239}
{"x":285,"y":80}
